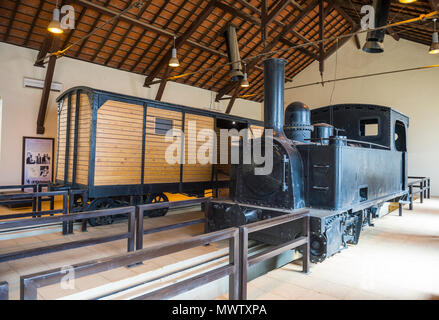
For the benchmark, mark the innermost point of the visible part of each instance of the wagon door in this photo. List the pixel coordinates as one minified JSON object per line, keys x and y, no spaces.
{"x":197,"y":172}
{"x":157,"y":168}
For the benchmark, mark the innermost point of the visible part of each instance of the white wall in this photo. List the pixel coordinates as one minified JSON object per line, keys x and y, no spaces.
{"x":413,"y":93}
{"x":20,"y":105}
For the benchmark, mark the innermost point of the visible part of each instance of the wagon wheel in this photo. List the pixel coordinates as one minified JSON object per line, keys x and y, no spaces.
{"x":154,"y":198}
{"x":101,"y":204}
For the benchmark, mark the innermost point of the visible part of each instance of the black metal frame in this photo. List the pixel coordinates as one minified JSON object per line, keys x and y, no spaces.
{"x":35,"y":188}
{"x":246,"y":261}
{"x":141,"y":209}
{"x":424,"y":186}
{"x":68,"y":219}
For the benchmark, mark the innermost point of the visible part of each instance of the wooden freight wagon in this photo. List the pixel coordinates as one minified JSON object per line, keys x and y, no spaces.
{"x":114,"y":145}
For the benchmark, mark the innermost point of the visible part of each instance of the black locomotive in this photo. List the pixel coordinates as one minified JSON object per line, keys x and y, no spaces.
{"x":342,"y":161}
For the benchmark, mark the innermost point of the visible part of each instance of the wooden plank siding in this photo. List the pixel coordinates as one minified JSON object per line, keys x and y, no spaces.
{"x":119,"y":135}
{"x":196,"y":172}
{"x":157,"y":170}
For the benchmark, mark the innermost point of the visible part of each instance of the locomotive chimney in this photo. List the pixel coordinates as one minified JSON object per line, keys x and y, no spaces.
{"x":274,"y":76}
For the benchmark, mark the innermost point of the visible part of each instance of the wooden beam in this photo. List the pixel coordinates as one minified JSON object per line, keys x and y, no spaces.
{"x":264,"y":22}
{"x":8,"y":29}
{"x":434,"y":4}
{"x":357,"y":41}
{"x":44,"y":50}
{"x":238,"y":13}
{"x":275,"y":12}
{"x":296,"y":5}
{"x":162,"y":86}
{"x":46,"y":91}
{"x":232,"y":100}
{"x":180,"y":40}
{"x":392,"y":33}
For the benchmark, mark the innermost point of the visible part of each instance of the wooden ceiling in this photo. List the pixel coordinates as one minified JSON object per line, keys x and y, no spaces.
{"x":140,"y":40}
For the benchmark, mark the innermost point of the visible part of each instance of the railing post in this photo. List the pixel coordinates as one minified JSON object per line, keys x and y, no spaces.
{"x":400,"y":209}
{"x":28,"y":290}
{"x":206,"y":215}
{"x":139,"y":226}
{"x":65,"y":211}
{"x":421,"y":189}
{"x":131,"y":229}
{"x":305,"y":258}
{"x":411,"y":197}
{"x":425,"y":187}
{"x":243,"y":262}
{"x":429,"y":187}
{"x":234,"y":259}
{"x":4,"y":290}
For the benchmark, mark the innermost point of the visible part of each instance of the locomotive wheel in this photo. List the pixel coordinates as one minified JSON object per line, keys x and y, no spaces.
{"x":318,"y":248}
{"x":101,"y":204}
{"x":155,"y":198}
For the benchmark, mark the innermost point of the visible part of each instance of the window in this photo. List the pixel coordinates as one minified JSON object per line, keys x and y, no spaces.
{"x":400,"y":137}
{"x":369,"y":128}
{"x":162,"y":126}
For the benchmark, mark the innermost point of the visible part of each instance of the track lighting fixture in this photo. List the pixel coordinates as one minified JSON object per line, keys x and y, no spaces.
{"x":244,"y":81}
{"x":173,"y":62}
{"x":55,"y":25}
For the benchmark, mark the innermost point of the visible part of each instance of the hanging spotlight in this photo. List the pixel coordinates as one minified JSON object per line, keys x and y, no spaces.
{"x":244,"y":81}
{"x":173,"y":62}
{"x":434,"y":48}
{"x":407,"y":1}
{"x":54,"y":25}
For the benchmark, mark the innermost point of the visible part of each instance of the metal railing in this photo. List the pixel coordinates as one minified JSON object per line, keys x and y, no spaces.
{"x":69,"y":218}
{"x":423,"y":185}
{"x":36,"y":198}
{"x":30,"y":283}
{"x":141,"y":209}
{"x":246,"y":261}
{"x":36,"y":202}
{"x":236,"y":269}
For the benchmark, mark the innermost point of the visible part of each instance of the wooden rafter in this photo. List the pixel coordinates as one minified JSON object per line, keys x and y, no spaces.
{"x":181,"y":39}
{"x":46,"y":89}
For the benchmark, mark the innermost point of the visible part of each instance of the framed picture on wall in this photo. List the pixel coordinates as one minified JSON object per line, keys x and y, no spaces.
{"x":37,"y":160}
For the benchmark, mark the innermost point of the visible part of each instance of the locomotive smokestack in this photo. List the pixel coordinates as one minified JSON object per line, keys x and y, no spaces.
{"x":274,"y":77}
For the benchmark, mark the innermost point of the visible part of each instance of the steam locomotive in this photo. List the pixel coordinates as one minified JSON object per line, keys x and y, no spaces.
{"x":342,"y":162}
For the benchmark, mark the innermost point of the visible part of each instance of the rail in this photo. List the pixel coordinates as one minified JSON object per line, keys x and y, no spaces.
{"x":30,"y":283}
{"x":141,"y":209}
{"x":129,"y":235}
{"x":236,"y":269}
{"x":246,"y":261}
{"x":35,"y":188}
{"x":423,"y":184}
{"x":36,"y":203}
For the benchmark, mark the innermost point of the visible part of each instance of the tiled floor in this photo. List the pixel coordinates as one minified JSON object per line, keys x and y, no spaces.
{"x":396,"y":259}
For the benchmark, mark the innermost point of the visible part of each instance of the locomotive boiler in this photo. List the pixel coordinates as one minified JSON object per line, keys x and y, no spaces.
{"x":342,"y":162}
